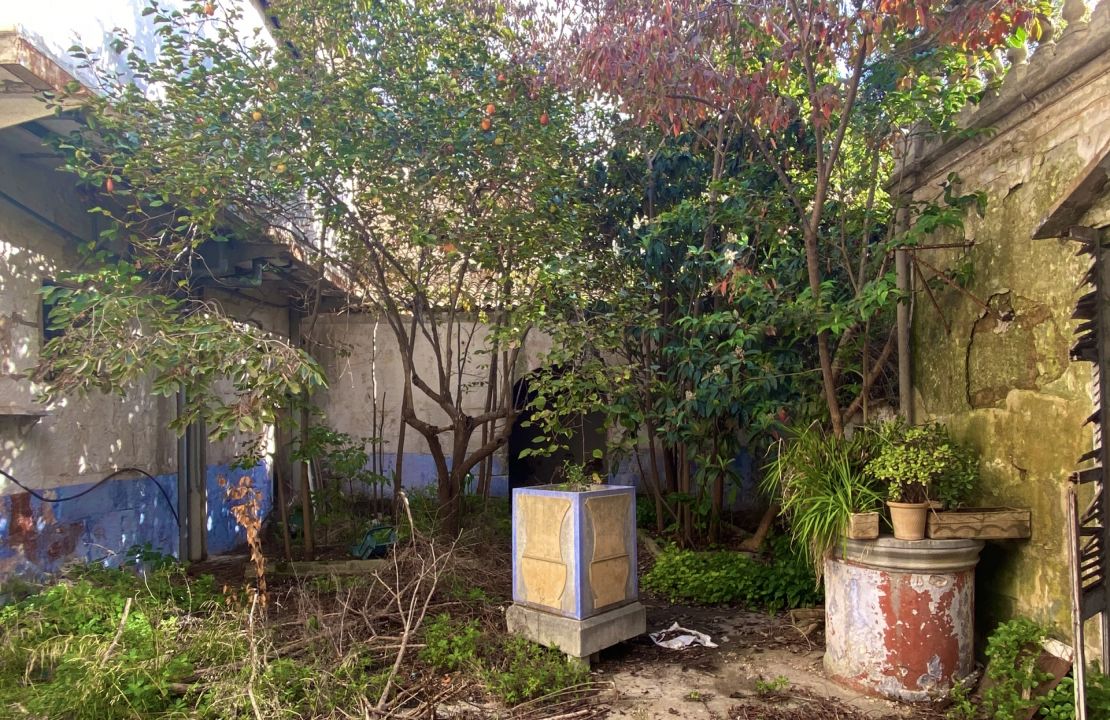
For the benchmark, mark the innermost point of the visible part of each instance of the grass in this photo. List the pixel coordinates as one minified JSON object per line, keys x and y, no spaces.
{"x":101,"y":644}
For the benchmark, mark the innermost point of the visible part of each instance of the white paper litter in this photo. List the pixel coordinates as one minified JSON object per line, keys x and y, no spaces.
{"x":676,"y":638}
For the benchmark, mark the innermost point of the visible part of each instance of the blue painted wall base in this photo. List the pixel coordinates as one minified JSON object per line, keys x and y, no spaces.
{"x":39,"y":538}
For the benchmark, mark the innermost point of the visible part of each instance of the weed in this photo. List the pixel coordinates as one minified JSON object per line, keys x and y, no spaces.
{"x":456,"y":589}
{"x":107,"y":644}
{"x":511,"y":667}
{"x":526,"y":670}
{"x":450,"y":645}
{"x":1012,"y":651}
{"x":960,"y":705}
{"x":767,"y":688}
{"x":1059,"y":704}
{"x":785,"y":580}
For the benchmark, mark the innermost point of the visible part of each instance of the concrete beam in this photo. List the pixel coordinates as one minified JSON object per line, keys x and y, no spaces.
{"x":25,"y":72}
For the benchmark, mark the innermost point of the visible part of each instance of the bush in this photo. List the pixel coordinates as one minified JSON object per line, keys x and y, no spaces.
{"x":1060,"y":703}
{"x":784,"y":580}
{"x":526,"y":671}
{"x":511,"y":667}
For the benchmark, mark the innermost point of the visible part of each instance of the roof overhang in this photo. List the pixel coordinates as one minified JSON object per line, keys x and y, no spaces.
{"x":1089,"y":185}
{"x":25,"y":73}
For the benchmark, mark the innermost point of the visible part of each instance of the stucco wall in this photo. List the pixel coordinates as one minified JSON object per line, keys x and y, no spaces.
{"x":65,"y":449}
{"x":360,"y":355}
{"x":993,"y":362}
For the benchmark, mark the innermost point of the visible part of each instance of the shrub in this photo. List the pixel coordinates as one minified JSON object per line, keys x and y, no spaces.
{"x":923,"y":463}
{"x":450,"y":645}
{"x":1059,"y":704}
{"x":784,"y":580}
{"x":525,"y":671}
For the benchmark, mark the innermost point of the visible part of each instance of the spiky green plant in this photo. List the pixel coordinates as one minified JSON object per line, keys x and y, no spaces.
{"x":821,"y":482}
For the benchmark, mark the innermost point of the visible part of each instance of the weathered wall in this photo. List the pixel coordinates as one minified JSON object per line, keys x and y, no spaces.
{"x":65,"y":449}
{"x":993,"y":362}
{"x":363,"y":366}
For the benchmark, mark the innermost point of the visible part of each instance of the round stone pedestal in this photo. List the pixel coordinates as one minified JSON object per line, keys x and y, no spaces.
{"x":899,"y":615}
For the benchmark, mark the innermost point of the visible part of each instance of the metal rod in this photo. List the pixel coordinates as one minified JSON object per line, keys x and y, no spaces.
{"x":1079,"y":662}
{"x":902,"y":276}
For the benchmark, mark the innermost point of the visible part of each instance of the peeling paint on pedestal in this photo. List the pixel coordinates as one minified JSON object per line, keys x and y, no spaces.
{"x":904,"y":635}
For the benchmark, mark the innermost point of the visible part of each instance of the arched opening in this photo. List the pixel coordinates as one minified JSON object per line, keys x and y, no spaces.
{"x":540,"y":470}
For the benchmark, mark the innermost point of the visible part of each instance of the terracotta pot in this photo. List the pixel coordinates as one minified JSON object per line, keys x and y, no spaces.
{"x":908,"y":519}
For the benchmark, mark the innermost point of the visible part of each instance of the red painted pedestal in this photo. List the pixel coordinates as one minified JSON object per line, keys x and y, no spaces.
{"x":899,"y":615}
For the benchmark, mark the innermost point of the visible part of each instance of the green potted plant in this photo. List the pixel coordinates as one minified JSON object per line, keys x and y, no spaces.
{"x":824,"y":490}
{"x":917,"y":465}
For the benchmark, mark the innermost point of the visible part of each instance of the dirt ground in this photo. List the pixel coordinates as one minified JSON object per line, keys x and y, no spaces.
{"x":765,"y":667}
{"x":724,"y":682}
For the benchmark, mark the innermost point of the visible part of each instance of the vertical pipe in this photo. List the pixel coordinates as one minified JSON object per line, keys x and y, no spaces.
{"x":902,"y":278}
{"x":1079,"y":670}
{"x":302,"y":479}
{"x":182,"y":486}
{"x":198,"y":492}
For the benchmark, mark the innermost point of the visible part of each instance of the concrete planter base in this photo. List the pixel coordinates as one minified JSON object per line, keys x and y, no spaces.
{"x":899,"y":616}
{"x":578,"y":638}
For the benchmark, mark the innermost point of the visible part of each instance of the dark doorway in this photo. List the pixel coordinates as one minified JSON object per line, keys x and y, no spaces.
{"x":540,"y":470}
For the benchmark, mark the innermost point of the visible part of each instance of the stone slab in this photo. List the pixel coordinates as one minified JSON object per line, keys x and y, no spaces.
{"x":578,"y":638}
{"x":314,"y":568}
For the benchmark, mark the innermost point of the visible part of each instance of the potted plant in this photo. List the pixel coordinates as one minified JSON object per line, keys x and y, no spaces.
{"x":824,"y":490}
{"x":918,"y":465}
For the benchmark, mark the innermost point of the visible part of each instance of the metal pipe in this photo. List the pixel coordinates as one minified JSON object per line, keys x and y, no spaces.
{"x":184,"y":518}
{"x":902,"y":278}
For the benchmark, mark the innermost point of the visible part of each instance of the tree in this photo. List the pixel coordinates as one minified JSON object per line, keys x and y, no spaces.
{"x":818,"y":93}
{"x":755,"y":221}
{"x":396,"y":140}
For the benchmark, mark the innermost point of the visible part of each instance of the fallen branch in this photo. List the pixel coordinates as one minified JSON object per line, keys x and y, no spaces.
{"x":119,"y":631}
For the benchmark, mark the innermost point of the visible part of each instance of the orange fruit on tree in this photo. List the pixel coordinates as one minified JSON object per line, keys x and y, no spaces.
{"x":486,"y":124}
{"x":209,"y":9}
{"x":280,"y":167}
{"x":545,"y":119}
{"x":256,"y":116}
{"x":491,"y":109}
{"x":500,"y":77}
{"x":110,"y":185}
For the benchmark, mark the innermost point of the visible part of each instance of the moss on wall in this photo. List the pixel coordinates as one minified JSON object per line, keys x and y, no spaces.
{"x":992,"y":361}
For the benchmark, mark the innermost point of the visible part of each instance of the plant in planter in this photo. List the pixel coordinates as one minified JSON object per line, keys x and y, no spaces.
{"x":574,"y":558}
{"x":574,"y":547}
{"x":825,"y":492}
{"x":920,"y":464}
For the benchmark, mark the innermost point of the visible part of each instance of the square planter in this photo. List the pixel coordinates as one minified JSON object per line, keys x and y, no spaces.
{"x":863,"y":526}
{"x":574,"y":552}
{"x":980,"y":524}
